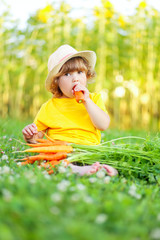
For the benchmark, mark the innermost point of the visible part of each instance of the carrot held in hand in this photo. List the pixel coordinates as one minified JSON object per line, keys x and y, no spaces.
{"x":78,"y":95}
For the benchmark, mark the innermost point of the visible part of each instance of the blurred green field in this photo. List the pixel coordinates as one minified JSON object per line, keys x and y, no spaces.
{"x":38,"y":206}
{"x":127,"y":67}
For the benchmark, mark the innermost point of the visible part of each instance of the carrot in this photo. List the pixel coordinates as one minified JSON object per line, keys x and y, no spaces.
{"x":53,"y":149}
{"x":58,"y":142}
{"x":48,"y":157}
{"x":79,"y":96}
{"x":50,"y":172}
{"x":45,"y":144}
{"x":26,"y":162}
{"x":53,"y":163}
{"x":48,"y":138}
{"x":47,"y":164}
{"x":42,"y":140}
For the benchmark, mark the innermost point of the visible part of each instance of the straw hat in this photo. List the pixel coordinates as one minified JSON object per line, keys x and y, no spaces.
{"x":62,"y":55}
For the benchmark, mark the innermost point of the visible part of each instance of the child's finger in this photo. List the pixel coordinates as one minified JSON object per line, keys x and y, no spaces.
{"x":28,"y":132}
{"x":34,"y":128}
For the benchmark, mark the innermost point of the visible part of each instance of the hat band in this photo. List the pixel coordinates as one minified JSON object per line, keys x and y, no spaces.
{"x":65,"y":57}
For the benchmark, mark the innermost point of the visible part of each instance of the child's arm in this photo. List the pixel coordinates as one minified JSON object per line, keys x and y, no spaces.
{"x":30,"y":133}
{"x":99,"y":118}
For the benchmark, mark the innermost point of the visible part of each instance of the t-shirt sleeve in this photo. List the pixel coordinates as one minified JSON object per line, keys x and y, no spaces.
{"x":97,"y":99}
{"x":39,"y":119}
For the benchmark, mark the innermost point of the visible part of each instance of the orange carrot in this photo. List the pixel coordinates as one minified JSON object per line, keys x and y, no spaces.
{"x":47,"y":164}
{"x":48,"y":157}
{"x":48,"y":138}
{"x":50,"y":172}
{"x":79,"y":96}
{"x":58,"y":142}
{"x":53,"y":149}
{"x":45,"y":144}
{"x":53,"y":163}
{"x":26,"y":162}
{"x":42,"y":140}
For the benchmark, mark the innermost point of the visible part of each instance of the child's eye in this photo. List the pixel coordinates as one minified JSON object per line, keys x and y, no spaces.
{"x":67,"y":74}
{"x":80,"y":72}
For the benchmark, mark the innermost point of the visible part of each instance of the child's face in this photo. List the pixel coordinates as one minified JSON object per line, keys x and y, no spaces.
{"x":67,"y":81}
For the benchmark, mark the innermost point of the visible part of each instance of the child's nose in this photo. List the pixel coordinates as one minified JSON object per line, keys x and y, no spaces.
{"x":75,"y":77}
{"x":75,"y":80}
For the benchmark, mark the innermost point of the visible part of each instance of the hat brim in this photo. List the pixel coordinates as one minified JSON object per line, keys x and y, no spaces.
{"x":90,"y":56}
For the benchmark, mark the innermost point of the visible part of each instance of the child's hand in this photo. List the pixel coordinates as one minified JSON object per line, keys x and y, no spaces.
{"x":80,"y":87}
{"x":30,"y":131}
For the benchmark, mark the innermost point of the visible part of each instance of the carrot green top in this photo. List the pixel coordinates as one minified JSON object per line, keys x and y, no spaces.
{"x":66,"y":120}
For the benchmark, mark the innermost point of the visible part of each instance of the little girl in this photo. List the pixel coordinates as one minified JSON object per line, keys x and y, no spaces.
{"x":61,"y":116}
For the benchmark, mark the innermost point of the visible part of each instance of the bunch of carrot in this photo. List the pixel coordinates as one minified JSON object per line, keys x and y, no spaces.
{"x":50,"y":153}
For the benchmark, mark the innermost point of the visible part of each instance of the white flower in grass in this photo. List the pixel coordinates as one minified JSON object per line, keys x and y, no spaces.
{"x":101,"y":173}
{"x":102,"y":134}
{"x":32,"y":180}
{"x":64,"y":163}
{"x":11,"y":179}
{"x":47,"y":176}
{"x":45,"y":173}
{"x":155,"y":234}
{"x":107,"y":179}
{"x":68,"y":174}
{"x":101,"y":218}
{"x":55,"y":210}
{"x":56,"y":197}
{"x":87,"y":199}
{"x":6,"y":169}
{"x":4,"y":157}
{"x":63,"y":185}
{"x":17,"y":176}
{"x":123,"y":180}
{"x":81,"y":186}
{"x":61,"y":169}
{"x":19,"y":164}
{"x":133,"y":193}
{"x":92,"y":179}
{"x":29,"y":174}
{"x":72,"y":189}
{"x":75,"y":197}
{"x":4,"y":137}
{"x":158,"y":217}
{"x":7,"y":195}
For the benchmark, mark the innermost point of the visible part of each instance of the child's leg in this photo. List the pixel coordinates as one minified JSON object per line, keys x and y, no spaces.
{"x":91,"y":169}
{"x":110,"y":170}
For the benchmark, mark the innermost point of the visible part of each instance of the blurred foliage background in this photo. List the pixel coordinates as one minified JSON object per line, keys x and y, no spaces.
{"x":128,"y":66}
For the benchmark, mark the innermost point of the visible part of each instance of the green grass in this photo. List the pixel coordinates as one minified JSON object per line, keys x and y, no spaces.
{"x":37,"y":206}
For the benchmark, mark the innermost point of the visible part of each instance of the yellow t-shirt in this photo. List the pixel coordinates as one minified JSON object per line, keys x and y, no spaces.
{"x":66,"y":120}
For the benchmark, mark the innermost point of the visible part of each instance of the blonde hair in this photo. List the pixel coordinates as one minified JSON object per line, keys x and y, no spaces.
{"x":73,"y":64}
